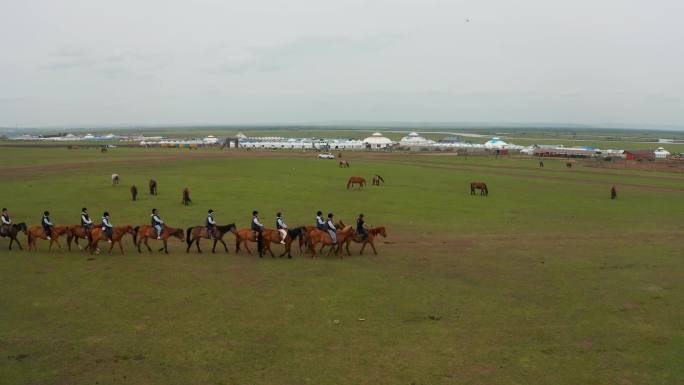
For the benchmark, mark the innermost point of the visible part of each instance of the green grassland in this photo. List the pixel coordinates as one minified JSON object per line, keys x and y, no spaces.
{"x":545,"y":281}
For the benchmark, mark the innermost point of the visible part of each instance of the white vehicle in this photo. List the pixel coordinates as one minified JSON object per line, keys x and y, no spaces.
{"x":326,"y":155}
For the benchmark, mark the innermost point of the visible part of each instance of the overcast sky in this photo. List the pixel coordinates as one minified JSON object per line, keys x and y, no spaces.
{"x":602,"y":62}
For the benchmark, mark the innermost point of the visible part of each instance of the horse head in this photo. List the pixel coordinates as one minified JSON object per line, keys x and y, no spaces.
{"x":381,"y":230}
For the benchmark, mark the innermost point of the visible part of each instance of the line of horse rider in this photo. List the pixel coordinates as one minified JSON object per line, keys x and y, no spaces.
{"x":106,"y":231}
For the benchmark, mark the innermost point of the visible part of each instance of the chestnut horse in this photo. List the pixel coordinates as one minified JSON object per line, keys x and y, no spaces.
{"x":244,"y":235}
{"x":77,"y":232}
{"x":117,"y":234}
{"x":36,"y":232}
{"x":319,"y":236}
{"x":356,"y":180}
{"x":12,"y":231}
{"x":134,"y":192}
{"x":482,"y":186}
{"x":271,"y":236}
{"x":145,"y":232}
{"x":153,"y":187}
{"x":186,"y":197}
{"x":344,"y":164}
{"x":194,"y":234}
{"x":376,"y":180}
{"x":373,"y":232}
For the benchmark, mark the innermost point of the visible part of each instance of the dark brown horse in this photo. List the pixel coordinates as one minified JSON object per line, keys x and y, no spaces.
{"x":186,"y":197}
{"x":36,"y":232}
{"x":344,"y":164}
{"x":153,"y":187}
{"x":117,"y":235}
{"x":373,"y":232}
{"x":134,"y":192}
{"x":356,"y":180}
{"x":11,"y":231}
{"x":376,"y":180}
{"x":145,"y":232}
{"x":482,"y":186}
{"x":195,"y":234}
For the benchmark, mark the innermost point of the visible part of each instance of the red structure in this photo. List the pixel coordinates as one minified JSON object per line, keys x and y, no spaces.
{"x":639,"y":155}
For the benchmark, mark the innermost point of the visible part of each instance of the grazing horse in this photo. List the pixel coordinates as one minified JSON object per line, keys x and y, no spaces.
{"x":134,"y":192}
{"x":153,"y":187}
{"x":373,"y":232}
{"x":115,"y":179}
{"x":194,"y":234}
{"x":356,"y":180}
{"x":77,"y":232}
{"x":145,"y":232}
{"x":568,"y":164}
{"x":482,"y":186}
{"x":319,"y":236}
{"x":12,"y":231}
{"x":186,"y":197}
{"x":376,"y":180}
{"x":344,"y":164}
{"x":117,"y":235}
{"x":36,"y":232}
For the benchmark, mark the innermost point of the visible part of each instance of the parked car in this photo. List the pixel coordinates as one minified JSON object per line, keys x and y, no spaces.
{"x":326,"y":155}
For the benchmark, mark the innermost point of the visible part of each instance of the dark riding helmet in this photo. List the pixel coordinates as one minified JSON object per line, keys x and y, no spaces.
{"x":46,"y":212}
{"x":210,"y":211}
{"x":278,"y":214}
{"x":360,"y":215}
{"x":154,"y":210}
{"x":4,"y":209}
{"x":255,"y":212}
{"x":319,"y":212}
{"x":330,"y":215}
{"x":106,"y":214}
{"x":84,"y":209}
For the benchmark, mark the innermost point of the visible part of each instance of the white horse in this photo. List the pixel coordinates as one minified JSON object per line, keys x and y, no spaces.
{"x":115,"y":179}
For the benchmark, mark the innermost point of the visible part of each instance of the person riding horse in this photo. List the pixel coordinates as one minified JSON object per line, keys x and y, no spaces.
{"x":320,"y":223}
{"x":157,"y":223}
{"x":47,"y":225}
{"x":211,"y":225}
{"x":6,"y":223}
{"x":282,"y":228}
{"x":361,"y":227}
{"x":107,"y":227}
{"x":258,"y":229}
{"x":86,"y":222}
{"x":332,"y":230}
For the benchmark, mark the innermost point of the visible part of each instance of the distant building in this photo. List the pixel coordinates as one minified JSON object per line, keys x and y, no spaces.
{"x":415,"y":140}
{"x":661,"y":153}
{"x":639,"y":155}
{"x":377,"y":141}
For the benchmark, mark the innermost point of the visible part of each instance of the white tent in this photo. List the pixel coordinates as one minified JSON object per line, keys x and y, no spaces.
{"x":661,"y":153}
{"x":377,"y":141}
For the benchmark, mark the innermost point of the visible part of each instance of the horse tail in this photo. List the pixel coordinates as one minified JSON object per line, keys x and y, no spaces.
{"x":187,"y":235}
{"x":135,"y":234}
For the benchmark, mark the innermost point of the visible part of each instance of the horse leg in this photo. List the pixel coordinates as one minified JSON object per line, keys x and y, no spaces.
{"x":187,"y":250}
{"x":18,"y":243}
{"x":121,"y":247}
{"x":166,"y":248}
{"x":148,"y":246}
{"x":363,"y":246}
{"x":224,"y":245}
{"x":111,"y":246}
{"x":373,"y":246}
{"x":139,"y":242}
{"x":198,"y":247}
{"x":244,"y":242}
{"x":10,"y":245}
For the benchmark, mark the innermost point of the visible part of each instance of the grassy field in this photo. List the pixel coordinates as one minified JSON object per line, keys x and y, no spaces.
{"x":546,"y":281}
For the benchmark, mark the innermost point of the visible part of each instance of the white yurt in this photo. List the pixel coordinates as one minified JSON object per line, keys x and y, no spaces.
{"x":377,"y":140}
{"x":415,"y":140}
{"x":661,"y":153}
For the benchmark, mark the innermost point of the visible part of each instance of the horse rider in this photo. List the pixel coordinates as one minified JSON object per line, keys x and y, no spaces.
{"x":47,"y":225}
{"x":332,"y":230}
{"x":258,"y":229}
{"x":157,"y":223}
{"x":211,"y":224}
{"x":6,"y":222}
{"x":320,"y":223}
{"x":86,"y":222}
{"x":361,"y":227}
{"x":282,"y":228}
{"x":107,"y":226}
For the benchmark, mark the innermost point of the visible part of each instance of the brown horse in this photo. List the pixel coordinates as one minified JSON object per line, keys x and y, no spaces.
{"x":153,"y":187}
{"x":319,"y":236}
{"x":186,"y":197}
{"x":36,"y":232}
{"x":134,"y":192}
{"x":272,"y":236}
{"x":376,"y":180}
{"x":77,"y":232}
{"x":117,"y":234}
{"x":194,"y":234}
{"x":356,"y":180}
{"x":144,"y":232}
{"x":373,"y":232}
{"x":11,"y":231}
{"x":344,"y":164}
{"x":482,"y":186}
{"x":569,"y":164}
{"x":244,"y":235}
